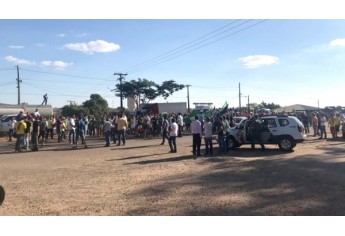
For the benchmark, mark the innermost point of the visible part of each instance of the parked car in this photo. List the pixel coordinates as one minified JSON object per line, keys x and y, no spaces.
{"x":239,"y":119}
{"x":285,"y":131}
{"x":4,"y":122}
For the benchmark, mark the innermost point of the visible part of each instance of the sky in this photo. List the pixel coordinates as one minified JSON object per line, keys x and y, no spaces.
{"x":281,"y":61}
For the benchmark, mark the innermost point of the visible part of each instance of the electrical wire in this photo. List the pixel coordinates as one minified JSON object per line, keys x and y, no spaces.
{"x":177,"y":49}
{"x":189,"y":51}
{"x":65,"y":75}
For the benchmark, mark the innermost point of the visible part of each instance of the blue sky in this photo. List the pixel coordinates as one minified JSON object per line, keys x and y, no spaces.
{"x":280,"y":61}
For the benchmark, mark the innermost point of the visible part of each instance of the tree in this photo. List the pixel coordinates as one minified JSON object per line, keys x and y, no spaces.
{"x":168,"y":88}
{"x":146,"y":90}
{"x":70,"y":110}
{"x":97,"y":105}
{"x":271,"y":106}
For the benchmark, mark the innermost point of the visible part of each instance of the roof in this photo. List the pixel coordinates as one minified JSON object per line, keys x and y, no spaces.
{"x":296,"y":107}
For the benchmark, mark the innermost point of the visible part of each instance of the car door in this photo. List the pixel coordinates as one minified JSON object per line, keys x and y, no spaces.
{"x":270,"y":125}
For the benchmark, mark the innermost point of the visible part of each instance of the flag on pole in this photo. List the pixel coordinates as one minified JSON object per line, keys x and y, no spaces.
{"x":224,"y":109}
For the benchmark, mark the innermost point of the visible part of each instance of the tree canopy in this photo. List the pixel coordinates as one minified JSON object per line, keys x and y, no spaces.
{"x":96,"y":105}
{"x":146,"y":90}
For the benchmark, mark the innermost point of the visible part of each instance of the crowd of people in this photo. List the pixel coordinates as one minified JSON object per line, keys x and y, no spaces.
{"x":319,"y":121}
{"x":33,"y":130}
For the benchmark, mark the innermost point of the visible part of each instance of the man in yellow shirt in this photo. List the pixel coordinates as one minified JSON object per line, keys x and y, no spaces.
{"x":331,"y":124}
{"x":337,"y":123}
{"x":20,"y":127}
{"x":122,"y":126}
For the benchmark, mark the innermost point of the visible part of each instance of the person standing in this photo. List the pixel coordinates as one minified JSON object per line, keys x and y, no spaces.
{"x":221,"y":135}
{"x":20,"y":131}
{"x":323,"y":121}
{"x":37,"y":113}
{"x":256,"y":134}
{"x":34,"y":134}
{"x":337,"y":123}
{"x":80,"y":132}
{"x":165,"y":129}
{"x":59,"y":129}
{"x":208,"y":137}
{"x":43,"y":129}
{"x":315,"y":123}
{"x":172,"y":135}
{"x":27,"y":120}
{"x":113,"y":131}
{"x":71,"y":129}
{"x":107,"y":131}
{"x":50,"y":127}
{"x":180,"y":124}
{"x":122,"y":126}
{"x":331,"y":124}
{"x":45,"y":99}
{"x":11,"y":124}
{"x":305,"y":121}
{"x":195,"y":128}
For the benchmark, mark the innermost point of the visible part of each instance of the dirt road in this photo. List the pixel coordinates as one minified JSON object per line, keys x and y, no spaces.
{"x":143,"y":178}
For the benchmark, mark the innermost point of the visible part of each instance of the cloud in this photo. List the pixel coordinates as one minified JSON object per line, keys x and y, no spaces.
{"x":18,"y":61}
{"x":61,"y":35}
{"x":337,"y":42}
{"x":40,"y":45}
{"x":16,"y":46}
{"x":256,"y":61}
{"x":60,"y":65}
{"x":93,"y":47}
{"x":82,"y":35}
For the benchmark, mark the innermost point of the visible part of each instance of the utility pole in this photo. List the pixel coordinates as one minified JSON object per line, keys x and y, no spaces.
{"x":121,"y":77}
{"x":188,"y":97}
{"x":71,"y":102}
{"x":239,"y":95}
{"x":248,"y":105}
{"x":18,"y":84}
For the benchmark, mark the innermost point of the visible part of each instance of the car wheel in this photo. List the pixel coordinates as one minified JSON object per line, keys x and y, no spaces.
{"x":2,"y":195}
{"x":232,"y":143}
{"x":286,"y":144}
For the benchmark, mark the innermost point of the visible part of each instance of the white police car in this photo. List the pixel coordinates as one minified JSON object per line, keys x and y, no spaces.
{"x":285,"y":131}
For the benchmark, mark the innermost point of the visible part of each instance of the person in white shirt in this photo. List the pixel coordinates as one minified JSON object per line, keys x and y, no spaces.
{"x":195,"y":128}
{"x":173,"y":134}
{"x":71,"y":129}
{"x":165,"y":129}
{"x":323,"y":126}
{"x":36,"y":113}
{"x":107,"y":130}
{"x":11,"y":124}
{"x":180,"y":124}
{"x":208,"y":137}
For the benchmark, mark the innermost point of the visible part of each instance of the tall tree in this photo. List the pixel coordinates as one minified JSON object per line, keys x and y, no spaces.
{"x":70,"y":110}
{"x":97,"y":105}
{"x":168,"y":88}
{"x":147,"y":90}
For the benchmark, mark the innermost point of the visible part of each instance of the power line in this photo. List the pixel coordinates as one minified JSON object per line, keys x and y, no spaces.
{"x":66,"y":75}
{"x":171,"y":57}
{"x":182,"y":46}
{"x":7,"y":68}
{"x":7,"y":83}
